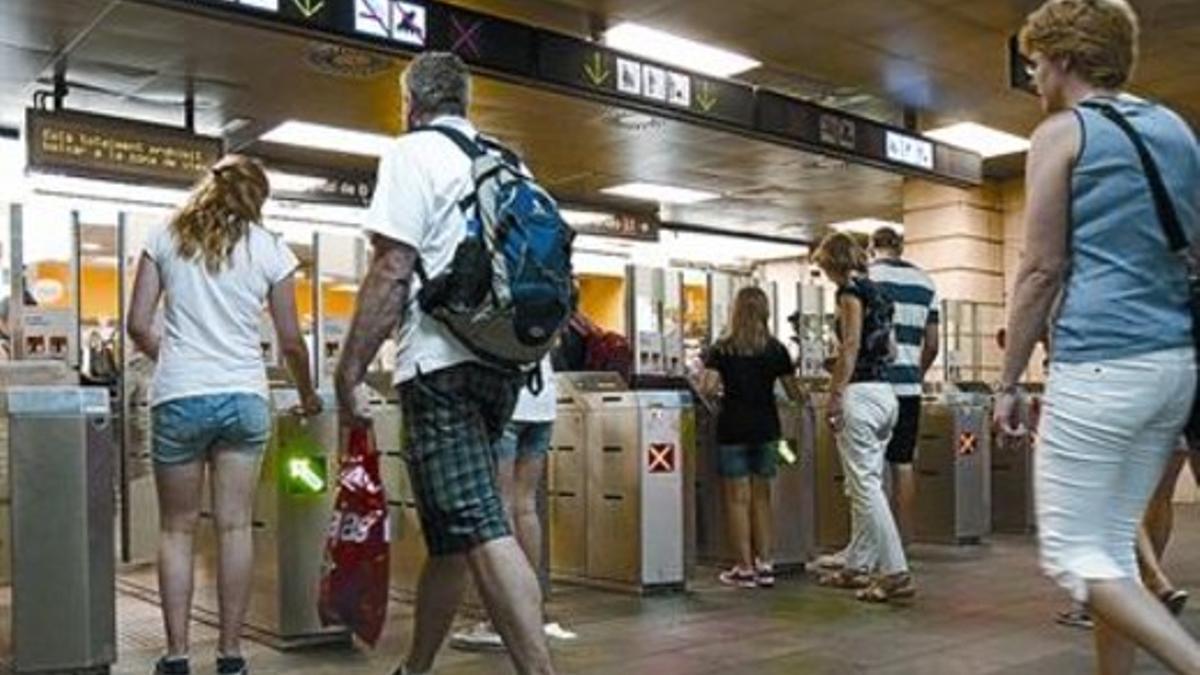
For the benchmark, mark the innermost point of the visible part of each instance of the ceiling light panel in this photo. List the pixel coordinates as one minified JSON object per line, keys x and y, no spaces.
{"x":331,"y":139}
{"x":660,"y":194}
{"x":985,"y":141}
{"x":674,"y":50}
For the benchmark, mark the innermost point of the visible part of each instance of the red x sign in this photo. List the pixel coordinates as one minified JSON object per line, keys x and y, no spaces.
{"x":662,"y":458}
{"x":967,"y":443}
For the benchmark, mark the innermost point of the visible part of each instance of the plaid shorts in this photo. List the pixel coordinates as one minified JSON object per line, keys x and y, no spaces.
{"x":452,"y":420}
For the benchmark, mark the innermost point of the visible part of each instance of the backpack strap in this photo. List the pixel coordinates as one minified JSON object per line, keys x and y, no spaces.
{"x":1168,"y":217}
{"x":469,"y":146}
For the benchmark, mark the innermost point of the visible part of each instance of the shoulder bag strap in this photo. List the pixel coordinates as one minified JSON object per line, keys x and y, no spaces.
{"x":1167,"y":215}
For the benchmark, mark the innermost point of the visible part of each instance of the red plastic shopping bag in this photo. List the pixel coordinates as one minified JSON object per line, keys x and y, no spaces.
{"x":354,"y":587}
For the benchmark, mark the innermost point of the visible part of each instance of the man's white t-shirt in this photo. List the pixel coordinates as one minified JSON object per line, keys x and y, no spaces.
{"x":212,"y":339}
{"x":422,"y":178}
{"x":540,"y":407}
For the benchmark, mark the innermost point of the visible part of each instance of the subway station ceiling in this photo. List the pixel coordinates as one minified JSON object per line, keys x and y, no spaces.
{"x":945,"y":59}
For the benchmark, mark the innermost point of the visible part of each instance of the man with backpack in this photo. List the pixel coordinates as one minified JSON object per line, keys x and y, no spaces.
{"x":459,"y":227}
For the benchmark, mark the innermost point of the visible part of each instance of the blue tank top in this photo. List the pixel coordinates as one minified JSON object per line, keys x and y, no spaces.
{"x":1126,"y":294}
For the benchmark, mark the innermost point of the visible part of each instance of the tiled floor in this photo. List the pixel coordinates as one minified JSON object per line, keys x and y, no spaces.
{"x":982,"y":611}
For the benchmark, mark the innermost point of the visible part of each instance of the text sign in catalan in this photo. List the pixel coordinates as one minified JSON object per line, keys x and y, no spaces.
{"x":109,"y":148}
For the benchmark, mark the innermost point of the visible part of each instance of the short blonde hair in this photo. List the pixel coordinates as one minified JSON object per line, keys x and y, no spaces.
{"x":840,"y":253}
{"x":1099,"y":37}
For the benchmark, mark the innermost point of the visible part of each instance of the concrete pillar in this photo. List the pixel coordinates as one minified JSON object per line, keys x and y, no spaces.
{"x":958,"y":236}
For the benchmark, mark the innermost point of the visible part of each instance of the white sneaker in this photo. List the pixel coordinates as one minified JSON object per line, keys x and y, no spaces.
{"x":481,"y":636}
{"x":556,"y":631}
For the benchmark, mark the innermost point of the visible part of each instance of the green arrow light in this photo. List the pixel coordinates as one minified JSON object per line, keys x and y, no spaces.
{"x":785,"y":453}
{"x":306,"y":475}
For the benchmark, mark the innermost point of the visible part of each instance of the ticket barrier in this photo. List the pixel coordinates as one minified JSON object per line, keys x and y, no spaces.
{"x":291,"y":518}
{"x":793,"y":495}
{"x":833,"y":506}
{"x":1012,"y":477}
{"x":58,"y":609}
{"x":622,"y":496}
{"x":953,"y":468}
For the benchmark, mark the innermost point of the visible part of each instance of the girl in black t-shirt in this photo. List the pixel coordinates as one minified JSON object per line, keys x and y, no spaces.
{"x":862,"y":411}
{"x":746,"y":362}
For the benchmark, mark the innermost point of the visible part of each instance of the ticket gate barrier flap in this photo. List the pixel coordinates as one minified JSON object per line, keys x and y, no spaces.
{"x":953,"y":473}
{"x":61,"y":450}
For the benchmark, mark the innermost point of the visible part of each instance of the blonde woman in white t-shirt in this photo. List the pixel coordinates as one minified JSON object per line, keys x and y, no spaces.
{"x":215,"y":268}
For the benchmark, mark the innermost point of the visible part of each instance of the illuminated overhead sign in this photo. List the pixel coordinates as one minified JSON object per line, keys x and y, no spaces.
{"x":530,"y":55}
{"x":403,"y":22}
{"x":109,"y":148}
{"x":909,"y":150}
{"x":576,"y":63}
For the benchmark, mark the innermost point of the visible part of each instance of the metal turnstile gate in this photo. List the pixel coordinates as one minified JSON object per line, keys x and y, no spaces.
{"x":624,"y":485}
{"x":61,"y":605}
{"x":953,"y":473}
{"x":291,"y":518}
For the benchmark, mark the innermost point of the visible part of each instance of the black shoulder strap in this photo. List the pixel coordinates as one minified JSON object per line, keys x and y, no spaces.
{"x":468,"y":145}
{"x":1167,"y":215}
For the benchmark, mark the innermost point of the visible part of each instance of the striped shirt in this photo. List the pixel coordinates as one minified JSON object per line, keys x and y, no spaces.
{"x":915,"y":297}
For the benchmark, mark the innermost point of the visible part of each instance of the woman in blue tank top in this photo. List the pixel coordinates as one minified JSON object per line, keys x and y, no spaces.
{"x":1097,"y":266}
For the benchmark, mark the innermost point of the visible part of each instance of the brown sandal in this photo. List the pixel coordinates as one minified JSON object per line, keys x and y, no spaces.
{"x":845,"y":579}
{"x":885,"y":589}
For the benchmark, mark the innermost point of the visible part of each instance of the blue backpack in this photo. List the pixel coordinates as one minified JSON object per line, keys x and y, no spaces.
{"x":508,"y":291}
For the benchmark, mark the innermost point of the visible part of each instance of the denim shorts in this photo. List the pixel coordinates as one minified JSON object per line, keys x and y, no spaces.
{"x":189,"y":429}
{"x":744,"y":460}
{"x":524,"y":440}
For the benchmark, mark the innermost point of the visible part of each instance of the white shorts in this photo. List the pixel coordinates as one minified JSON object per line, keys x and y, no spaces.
{"x":1107,"y":431}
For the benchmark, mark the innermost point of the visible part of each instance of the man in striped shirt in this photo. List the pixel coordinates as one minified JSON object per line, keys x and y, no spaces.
{"x":916,"y":326}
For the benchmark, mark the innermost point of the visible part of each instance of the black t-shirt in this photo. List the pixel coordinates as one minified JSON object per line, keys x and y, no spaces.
{"x":748,"y":411}
{"x":875,"y":346}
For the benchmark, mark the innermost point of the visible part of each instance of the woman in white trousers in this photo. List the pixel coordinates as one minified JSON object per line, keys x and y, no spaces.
{"x":862,"y":411}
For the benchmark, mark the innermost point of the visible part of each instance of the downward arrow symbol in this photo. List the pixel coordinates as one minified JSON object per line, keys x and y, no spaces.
{"x":707,"y":98}
{"x":309,"y":8}
{"x":595,"y":70}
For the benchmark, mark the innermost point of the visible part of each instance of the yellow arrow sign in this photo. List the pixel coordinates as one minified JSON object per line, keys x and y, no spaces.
{"x":309,"y":8}
{"x":596,"y":71}
{"x":706,"y":97}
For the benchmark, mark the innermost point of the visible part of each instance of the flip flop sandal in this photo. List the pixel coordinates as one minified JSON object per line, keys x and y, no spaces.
{"x":845,"y":579}
{"x":1174,"y":600}
{"x":886,"y":589}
